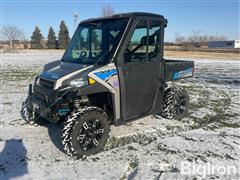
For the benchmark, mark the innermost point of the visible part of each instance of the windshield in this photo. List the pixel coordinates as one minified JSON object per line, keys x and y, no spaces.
{"x":93,"y":42}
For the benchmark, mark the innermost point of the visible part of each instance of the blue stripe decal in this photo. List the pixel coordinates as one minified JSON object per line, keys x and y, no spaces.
{"x":104,"y":75}
{"x":181,"y":74}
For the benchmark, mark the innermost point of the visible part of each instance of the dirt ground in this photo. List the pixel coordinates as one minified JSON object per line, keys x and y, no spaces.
{"x":202,"y":55}
{"x":149,"y":148}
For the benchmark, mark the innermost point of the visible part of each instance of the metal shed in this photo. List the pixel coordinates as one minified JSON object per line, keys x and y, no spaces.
{"x":224,"y":44}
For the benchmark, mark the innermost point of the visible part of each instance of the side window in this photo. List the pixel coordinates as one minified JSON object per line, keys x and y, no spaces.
{"x":154,"y":39}
{"x":137,"y":47}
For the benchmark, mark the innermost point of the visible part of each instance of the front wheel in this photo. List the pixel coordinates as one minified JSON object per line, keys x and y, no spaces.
{"x":30,"y":116}
{"x":176,"y":103}
{"x":85,"y":132}
{"x":26,"y":113}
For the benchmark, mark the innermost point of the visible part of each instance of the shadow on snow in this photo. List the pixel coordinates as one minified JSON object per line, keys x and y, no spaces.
{"x":13,"y":162}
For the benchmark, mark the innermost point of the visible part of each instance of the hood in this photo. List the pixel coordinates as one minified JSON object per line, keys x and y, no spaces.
{"x":62,"y":71}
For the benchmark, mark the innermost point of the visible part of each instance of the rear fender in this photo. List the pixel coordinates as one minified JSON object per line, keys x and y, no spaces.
{"x":178,"y":69}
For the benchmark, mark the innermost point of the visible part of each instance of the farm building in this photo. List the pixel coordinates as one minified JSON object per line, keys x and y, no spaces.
{"x":224,"y":44}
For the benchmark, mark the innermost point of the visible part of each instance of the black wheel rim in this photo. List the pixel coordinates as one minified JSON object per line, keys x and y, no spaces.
{"x":90,"y":134}
{"x":180,"y":104}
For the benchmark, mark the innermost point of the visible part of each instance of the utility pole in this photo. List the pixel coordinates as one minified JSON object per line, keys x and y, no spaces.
{"x":75,"y":16}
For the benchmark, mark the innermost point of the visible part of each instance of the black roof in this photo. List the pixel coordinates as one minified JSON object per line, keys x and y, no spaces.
{"x":124,"y":15}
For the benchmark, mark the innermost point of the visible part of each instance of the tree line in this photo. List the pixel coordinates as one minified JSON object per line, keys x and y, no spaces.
{"x":52,"y":42}
{"x":197,"y":39}
{"x":37,"y":39}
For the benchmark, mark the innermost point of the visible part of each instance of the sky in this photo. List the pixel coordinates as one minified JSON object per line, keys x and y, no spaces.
{"x":211,"y":17}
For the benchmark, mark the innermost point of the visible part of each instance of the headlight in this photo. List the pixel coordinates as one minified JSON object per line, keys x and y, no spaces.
{"x":78,"y":83}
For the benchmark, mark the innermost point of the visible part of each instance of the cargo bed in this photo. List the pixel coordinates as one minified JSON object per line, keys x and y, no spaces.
{"x":178,"y":69}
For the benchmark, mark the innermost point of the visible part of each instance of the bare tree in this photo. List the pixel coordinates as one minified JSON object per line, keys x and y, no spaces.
{"x":195,"y":37}
{"x":217,"y":38}
{"x":107,"y":10}
{"x":12,"y":32}
{"x":179,"y":40}
{"x":203,"y":40}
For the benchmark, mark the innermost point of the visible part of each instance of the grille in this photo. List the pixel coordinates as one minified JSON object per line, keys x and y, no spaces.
{"x":40,"y":96}
{"x":45,"y":83}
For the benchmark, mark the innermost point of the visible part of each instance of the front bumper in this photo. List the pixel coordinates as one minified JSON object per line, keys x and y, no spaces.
{"x":41,"y":109}
{"x":45,"y":102}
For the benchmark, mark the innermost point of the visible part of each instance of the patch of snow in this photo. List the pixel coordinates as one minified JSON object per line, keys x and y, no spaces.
{"x":148,"y":148}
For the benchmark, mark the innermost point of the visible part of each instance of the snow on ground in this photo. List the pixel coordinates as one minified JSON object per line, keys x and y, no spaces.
{"x":148,"y":148}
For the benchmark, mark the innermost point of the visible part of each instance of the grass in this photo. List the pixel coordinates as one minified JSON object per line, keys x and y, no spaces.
{"x":204,"y":55}
{"x":18,"y":74}
{"x":220,"y":116}
{"x":221,"y":108}
{"x":7,"y":103}
{"x":131,"y":169}
{"x":143,"y":139}
{"x":165,"y":149}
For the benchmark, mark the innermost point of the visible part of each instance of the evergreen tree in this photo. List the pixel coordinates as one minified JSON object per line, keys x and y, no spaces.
{"x":37,"y":39}
{"x":63,"y":36}
{"x":51,"y":39}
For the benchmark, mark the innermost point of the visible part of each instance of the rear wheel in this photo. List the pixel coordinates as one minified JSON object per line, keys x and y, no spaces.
{"x":85,"y":132}
{"x":176,"y":103}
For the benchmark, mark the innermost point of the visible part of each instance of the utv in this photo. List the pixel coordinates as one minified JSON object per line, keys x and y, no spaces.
{"x":113,"y":71}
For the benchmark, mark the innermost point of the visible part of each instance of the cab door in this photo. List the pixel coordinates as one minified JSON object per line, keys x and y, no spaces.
{"x":139,"y":68}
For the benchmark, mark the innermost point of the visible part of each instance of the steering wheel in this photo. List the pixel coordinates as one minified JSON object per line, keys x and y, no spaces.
{"x":83,"y":53}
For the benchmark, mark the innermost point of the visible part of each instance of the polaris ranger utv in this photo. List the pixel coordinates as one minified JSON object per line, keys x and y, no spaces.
{"x":113,"y":71}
